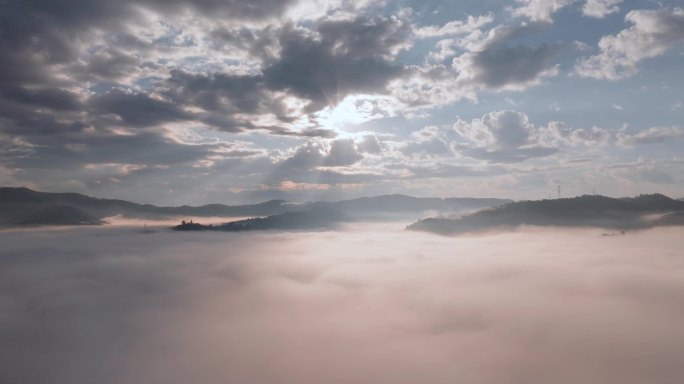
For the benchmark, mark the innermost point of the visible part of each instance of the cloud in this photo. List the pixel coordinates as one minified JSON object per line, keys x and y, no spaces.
{"x":499,"y":63}
{"x":428,"y":148}
{"x":108,"y":305}
{"x":430,"y":86}
{"x":502,"y":129}
{"x":313,"y":154}
{"x":651,"y":135}
{"x":539,"y":10}
{"x":428,"y":142}
{"x":276,"y":74}
{"x":345,"y":57}
{"x":501,"y":136}
{"x":600,"y":8}
{"x":509,"y":136}
{"x":51,"y":98}
{"x":111,"y":64}
{"x":558,"y":133}
{"x":342,"y":152}
{"x":136,"y":109}
{"x":96,"y":84}
{"x":38,"y":36}
{"x":509,"y":66}
{"x":149,"y":53}
{"x":652,"y":33}
{"x":455,"y":27}
{"x":306,"y":157}
{"x":543,"y":10}
{"x":644,"y":174}
{"x":370,"y":144}
{"x":464,"y":66}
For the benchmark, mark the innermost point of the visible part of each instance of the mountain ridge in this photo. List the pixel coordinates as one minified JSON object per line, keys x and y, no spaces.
{"x":17,"y":202}
{"x":587,"y":210}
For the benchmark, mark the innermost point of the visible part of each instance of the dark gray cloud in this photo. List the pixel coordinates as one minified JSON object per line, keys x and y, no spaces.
{"x":348,"y":56}
{"x":313,"y":154}
{"x":111,"y":64}
{"x":501,"y":65}
{"x":221,"y":93}
{"x":308,"y":156}
{"x":66,"y":97}
{"x":136,"y":109}
{"x":370,"y":144}
{"x":30,"y":123}
{"x":379,"y":37}
{"x":44,"y":45}
{"x":107,"y":86}
{"x":427,"y":148}
{"x":342,"y":152}
{"x":339,"y":58}
{"x":50,"y":98}
{"x":75,"y":150}
{"x":501,"y":61}
{"x":261,"y":44}
{"x":229,"y":9}
{"x":508,"y":155}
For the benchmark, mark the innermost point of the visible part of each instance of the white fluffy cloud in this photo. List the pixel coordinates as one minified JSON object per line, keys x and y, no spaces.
{"x":501,"y":136}
{"x":557,"y":133}
{"x":455,"y":27}
{"x":651,"y":34}
{"x":651,"y":135}
{"x":600,"y":8}
{"x":501,"y":129}
{"x":543,"y":10}
{"x":539,"y":10}
{"x":509,"y":136}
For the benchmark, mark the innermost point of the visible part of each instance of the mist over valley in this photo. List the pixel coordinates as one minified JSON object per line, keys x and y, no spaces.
{"x":365,"y":303}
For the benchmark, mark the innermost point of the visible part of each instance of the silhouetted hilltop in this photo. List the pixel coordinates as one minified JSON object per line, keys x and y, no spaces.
{"x":56,"y":215}
{"x":17,"y":202}
{"x":20,"y":199}
{"x":317,"y":218}
{"x":655,"y":201}
{"x":595,"y":211}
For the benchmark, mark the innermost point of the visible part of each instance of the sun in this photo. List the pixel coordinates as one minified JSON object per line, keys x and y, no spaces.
{"x":355,"y":110}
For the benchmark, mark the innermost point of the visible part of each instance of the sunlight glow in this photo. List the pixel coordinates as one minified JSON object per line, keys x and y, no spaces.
{"x":355,"y":110}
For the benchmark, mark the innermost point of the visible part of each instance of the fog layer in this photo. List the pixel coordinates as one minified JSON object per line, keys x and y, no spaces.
{"x":371,"y":304}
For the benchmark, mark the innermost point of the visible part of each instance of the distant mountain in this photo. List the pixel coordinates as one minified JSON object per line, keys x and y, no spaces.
{"x":316,"y":218}
{"x":19,"y":199}
{"x":56,"y":215}
{"x":655,"y":202}
{"x":643,"y":211}
{"x":16,"y":203}
{"x":402,"y":205}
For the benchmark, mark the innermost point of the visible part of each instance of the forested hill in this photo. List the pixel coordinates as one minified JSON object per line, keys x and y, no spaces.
{"x":643,"y":211}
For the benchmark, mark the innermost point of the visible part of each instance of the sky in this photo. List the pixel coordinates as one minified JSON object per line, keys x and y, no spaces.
{"x":191,"y":102}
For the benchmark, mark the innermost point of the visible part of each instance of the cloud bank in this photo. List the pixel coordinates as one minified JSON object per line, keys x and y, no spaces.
{"x":373,"y":304}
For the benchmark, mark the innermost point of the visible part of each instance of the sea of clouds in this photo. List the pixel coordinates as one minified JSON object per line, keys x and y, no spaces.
{"x":365,"y":304}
